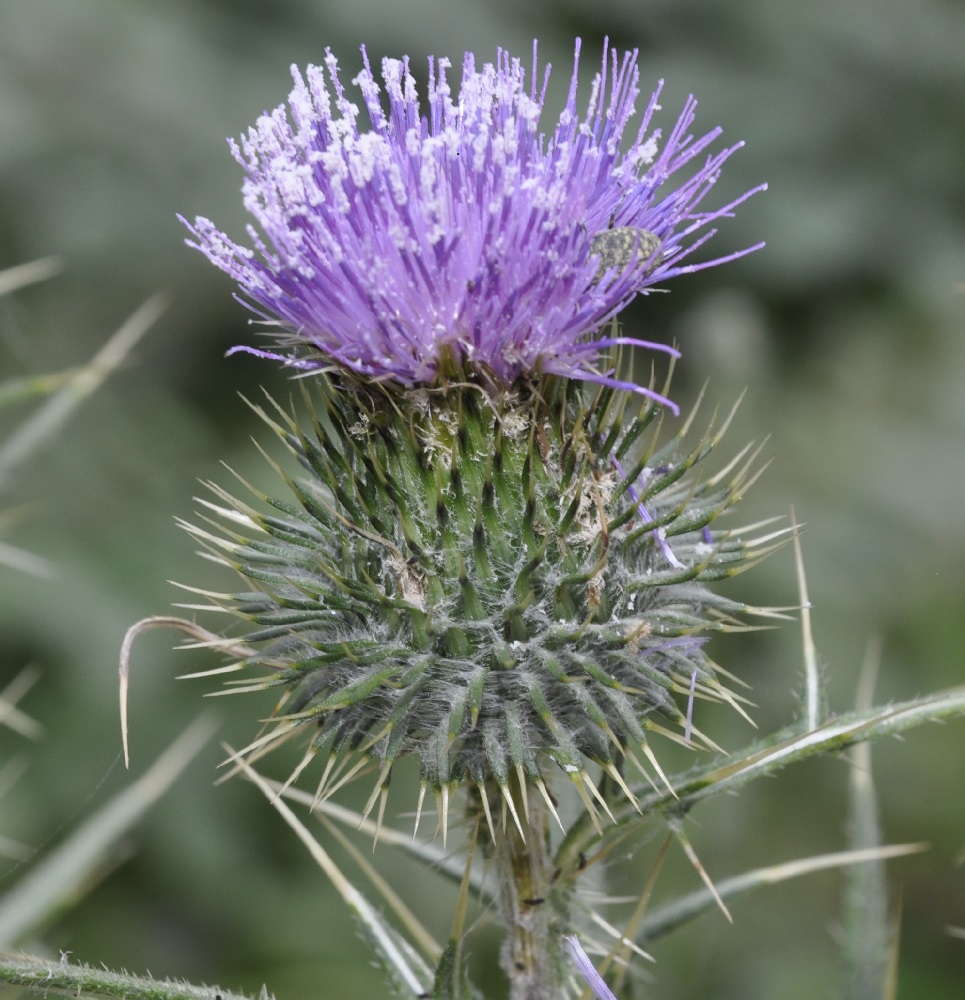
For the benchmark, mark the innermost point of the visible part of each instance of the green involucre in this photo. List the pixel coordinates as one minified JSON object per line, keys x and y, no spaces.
{"x":494,"y":582}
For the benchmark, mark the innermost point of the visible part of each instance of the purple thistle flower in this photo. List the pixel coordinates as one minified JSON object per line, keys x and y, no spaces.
{"x":461,"y":237}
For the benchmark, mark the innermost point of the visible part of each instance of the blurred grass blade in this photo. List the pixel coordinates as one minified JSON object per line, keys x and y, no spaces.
{"x":867,"y":933}
{"x":54,"y":413}
{"x":28,"y":274}
{"x":890,"y":984}
{"x":13,"y":769}
{"x":16,"y":390}
{"x":26,"y":562}
{"x":10,"y":715}
{"x":672,"y":915}
{"x":62,"y":875}
{"x":14,"y":850}
{"x":407,"y":972}
{"x":20,"y":559}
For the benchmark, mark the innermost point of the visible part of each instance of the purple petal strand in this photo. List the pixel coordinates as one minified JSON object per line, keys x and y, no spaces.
{"x":659,"y":535}
{"x":272,"y":355}
{"x":397,"y":235}
{"x":587,"y":969}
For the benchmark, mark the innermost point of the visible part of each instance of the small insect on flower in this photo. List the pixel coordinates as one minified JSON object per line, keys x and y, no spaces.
{"x":619,"y":248}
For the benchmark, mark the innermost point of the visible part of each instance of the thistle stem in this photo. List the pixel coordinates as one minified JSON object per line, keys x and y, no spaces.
{"x":532,"y":953}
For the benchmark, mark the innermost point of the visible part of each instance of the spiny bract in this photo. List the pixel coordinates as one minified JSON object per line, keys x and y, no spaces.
{"x":498,"y":581}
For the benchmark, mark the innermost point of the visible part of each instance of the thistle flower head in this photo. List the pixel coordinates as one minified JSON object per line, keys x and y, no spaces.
{"x":461,"y":235}
{"x":485,"y":564}
{"x":500,"y":587}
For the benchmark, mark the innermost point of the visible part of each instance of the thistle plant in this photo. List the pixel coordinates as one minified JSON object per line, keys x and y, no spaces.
{"x":495,"y":559}
{"x":499,"y":553}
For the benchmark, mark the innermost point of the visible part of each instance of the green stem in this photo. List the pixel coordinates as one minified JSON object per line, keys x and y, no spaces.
{"x":532,"y":953}
{"x":61,"y":977}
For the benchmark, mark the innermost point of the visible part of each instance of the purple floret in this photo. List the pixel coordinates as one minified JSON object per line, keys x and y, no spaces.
{"x":461,"y":236}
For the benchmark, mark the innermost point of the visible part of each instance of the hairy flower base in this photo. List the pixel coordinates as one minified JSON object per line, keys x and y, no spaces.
{"x":500,"y":584}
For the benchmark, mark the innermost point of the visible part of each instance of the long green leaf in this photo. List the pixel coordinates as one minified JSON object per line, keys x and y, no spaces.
{"x":55,"y":411}
{"x":28,"y":274}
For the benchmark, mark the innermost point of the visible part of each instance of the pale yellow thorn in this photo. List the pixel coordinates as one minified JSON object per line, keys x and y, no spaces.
{"x":124,"y":659}
{"x":376,"y":791}
{"x":489,"y":816}
{"x":445,"y":815}
{"x":248,"y":688}
{"x":614,"y":739}
{"x":523,"y":794}
{"x":418,"y":809}
{"x":230,"y":669}
{"x":701,"y":871}
{"x":648,"y":753}
{"x":705,"y":740}
{"x":383,"y":799}
{"x":618,"y":778}
{"x":272,"y":736}
{"x":322,"y":782}
{"x":636,"y":763}
{"x":336,"y":765}
{"x":372,"y":740}
{"x":511,"y":806}
{"x":294,"y":776}
{"x":598,"y":796}
{"x":442,"y":814}
{"x":123,"y":696}
{"x":577,"y":780}
{"x":347,"y":777}
{"x":549,"y":803}
{"x":619,"y":937}
{"x":734,"y":702}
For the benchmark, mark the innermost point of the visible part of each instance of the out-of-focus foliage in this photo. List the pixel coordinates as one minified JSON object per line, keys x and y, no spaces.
{"x":847,"y":331}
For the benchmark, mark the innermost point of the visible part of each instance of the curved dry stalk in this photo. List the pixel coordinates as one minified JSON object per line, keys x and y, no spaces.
{"x":145,"y":625}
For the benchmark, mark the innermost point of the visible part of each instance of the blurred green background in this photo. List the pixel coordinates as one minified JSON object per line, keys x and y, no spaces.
{"x":847,"y":332}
